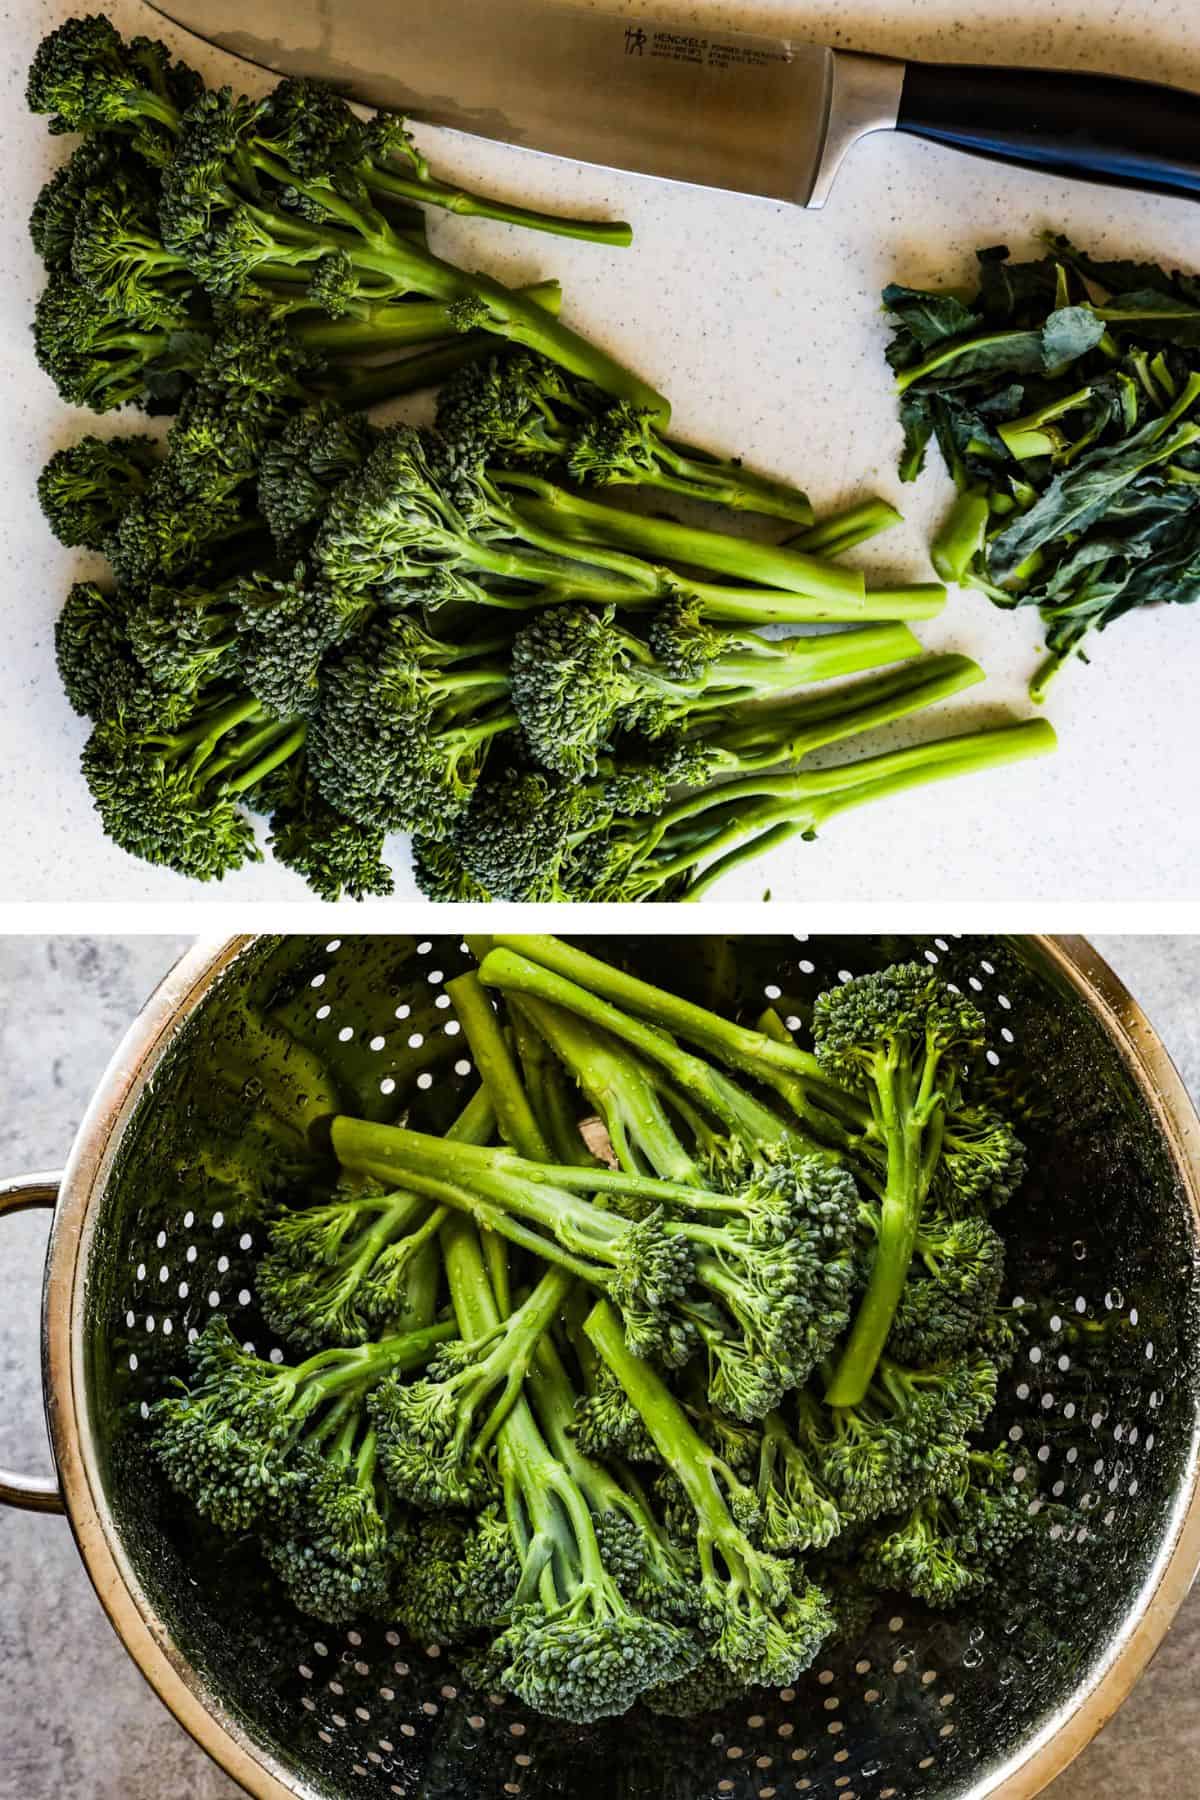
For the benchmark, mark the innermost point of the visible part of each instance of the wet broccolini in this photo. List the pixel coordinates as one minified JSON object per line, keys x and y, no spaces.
{"x":654,"y":1422}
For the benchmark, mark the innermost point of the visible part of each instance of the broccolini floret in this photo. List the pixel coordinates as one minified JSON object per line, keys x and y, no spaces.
{"x":84,"y":489}
{"x":237,"y":1439}
{"x":900,"y":1038}
{"x":766,"y":1619}
{"x":529,"y":412}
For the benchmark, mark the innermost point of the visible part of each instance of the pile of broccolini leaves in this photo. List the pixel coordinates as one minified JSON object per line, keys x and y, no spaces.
{"x":355,"y":630}
{"x":655,"y":1371}
{"x":1063,"y":397}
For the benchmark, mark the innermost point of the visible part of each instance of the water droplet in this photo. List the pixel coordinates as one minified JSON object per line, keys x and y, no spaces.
{"x":1079,"y":1250}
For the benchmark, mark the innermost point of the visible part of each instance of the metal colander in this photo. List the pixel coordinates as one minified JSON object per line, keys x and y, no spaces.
{"x":149,"y":1240}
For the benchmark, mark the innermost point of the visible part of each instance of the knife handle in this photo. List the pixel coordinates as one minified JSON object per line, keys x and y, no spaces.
{"x":1095,"y":127}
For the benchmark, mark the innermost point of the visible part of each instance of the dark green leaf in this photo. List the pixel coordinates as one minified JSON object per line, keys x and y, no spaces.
{"x":1069,"y":334}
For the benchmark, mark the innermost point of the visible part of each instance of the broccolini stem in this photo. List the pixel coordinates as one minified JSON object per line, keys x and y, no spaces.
{"x":728,"y":484}
{"x":766,"y":564}
{"x":842,"y":531}
{"x":365,"y":1145}
{"x":432,"y":192}
{"x":272,"y":755}
{"x":373,"y":325}
{"x":680,"y":1445}
{"x":497,"y":1070}
{"x":557,"y":972}
{"x":546,"y":1085}
{"x":336,"y":1372}
{"x":815,"y":721}
{"x":620,"y":1089}
{"x":807,"y":811}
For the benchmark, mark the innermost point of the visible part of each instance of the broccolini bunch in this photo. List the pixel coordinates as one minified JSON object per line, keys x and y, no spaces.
{"x":648,"y":1412}
{"x":353,"y":630}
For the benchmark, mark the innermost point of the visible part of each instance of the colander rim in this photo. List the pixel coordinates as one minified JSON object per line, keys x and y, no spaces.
{"x":181,"y":1687}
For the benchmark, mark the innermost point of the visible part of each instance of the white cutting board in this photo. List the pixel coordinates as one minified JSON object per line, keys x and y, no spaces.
{"x":762,"y":324}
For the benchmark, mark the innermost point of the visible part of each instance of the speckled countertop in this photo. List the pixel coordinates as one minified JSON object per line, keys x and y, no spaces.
{"x":76,"y":1720}
{"x":762,"y":323}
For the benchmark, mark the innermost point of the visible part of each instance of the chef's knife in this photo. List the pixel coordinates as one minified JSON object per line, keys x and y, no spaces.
{"x":715,"y":108}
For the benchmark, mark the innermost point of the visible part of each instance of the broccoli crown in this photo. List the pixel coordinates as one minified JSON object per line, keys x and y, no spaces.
{"x":590,"y":1657}
{"x":652,"y":1272}
{"x":983,"y":1161}
{"x":707,"y":1687}
{"x":88,"y":78}
{"x":335,"y":855}
{"x":255,"y":363}
{"x":901,"y":1012}
{"x":429,"y":1599}
{"x":94,"y":359}
{"x":947,"y":1548}
{"x":951,"y":1306}
{"x":166,"y":796}
{"x":684,"y":641}
{"x":607,"y":1423}
{"x":392,"y":525}
{"x":503,"y":408}
{"x":203,"y":220}
{"x":166,"y":533}
{"x":907,"y":1438}
{"x":440,"y":873}
{"x":532,"y":835}
{"x":576,"y":684}
{"x":326,"y":1587}
{"x":287,"y":623}
{"x":308,"y":126}
{"x":396,"y":742}
{"x":797,"y":1510}
{"x":91,"y":167}
{"x":773,"y":1622}
{"x":185,"y":638}
{"x":214,"y":445}
{"x":96,"y":664}
{"x":520,"y":828}
{"x":84,"y":489}
{"x":436,"y":1433}
{"x":117,"y":255}
{"x":616,"y":445}
{"x":337,"y":1273}
{"x":226,"y":1440}
{"x":301,"y":465}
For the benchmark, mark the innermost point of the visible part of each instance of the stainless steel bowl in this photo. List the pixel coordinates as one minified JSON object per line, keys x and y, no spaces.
{"x":1105,"y":1402}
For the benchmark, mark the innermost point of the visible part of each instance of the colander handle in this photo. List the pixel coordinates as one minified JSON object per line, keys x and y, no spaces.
{"x":33,"y":1493}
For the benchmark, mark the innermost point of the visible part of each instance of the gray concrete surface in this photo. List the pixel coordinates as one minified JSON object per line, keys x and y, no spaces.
{"x":76,"y":1721}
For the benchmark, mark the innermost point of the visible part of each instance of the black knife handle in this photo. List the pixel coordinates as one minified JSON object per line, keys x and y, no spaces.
{"x":1096,"y":127}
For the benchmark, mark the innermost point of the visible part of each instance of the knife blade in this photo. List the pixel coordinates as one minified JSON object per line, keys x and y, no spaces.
{"x":709,"y":107}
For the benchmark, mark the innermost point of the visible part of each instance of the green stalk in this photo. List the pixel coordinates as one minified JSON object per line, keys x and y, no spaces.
{"x":661,"y":539}
{"x":806,"y":811}
{"x":546,"y":1085}
{"x":735,"y":1045}
{"x":621,"y":1090}
{"x":845,"y":530}
{"x":374,"y":247}
{"x":962,"y":537}
{"x":787,"y":735}
{"x":745,"y":1116}
{"x":683,"y":1450}
{"x":376,"y":325}
{"x":461,"y":201}
{"x":496,"y":1067}
{"x":772,"y":665}
{"x":682,"y":469}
